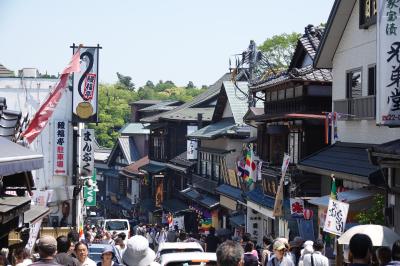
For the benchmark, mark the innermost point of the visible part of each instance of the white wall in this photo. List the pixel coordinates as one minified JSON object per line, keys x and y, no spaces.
{"x":357,"y":48}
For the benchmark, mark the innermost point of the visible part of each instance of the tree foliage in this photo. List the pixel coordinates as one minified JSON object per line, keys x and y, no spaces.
{"x":374,"y":214}
{"x":279,"y":49}
{"x":125,"y":82}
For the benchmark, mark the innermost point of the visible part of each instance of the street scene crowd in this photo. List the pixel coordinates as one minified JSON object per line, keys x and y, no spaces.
{"x":142,"y":249}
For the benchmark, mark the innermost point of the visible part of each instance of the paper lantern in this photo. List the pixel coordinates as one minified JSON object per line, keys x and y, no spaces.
{"x":308,"y":214}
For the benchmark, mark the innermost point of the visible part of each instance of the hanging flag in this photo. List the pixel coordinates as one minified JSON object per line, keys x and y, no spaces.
{"x":46,"y":110}
{"x":333,"y":188}
{"x":279,"y":194}
{"x":81,"y":234}
{"x":250,"y":166}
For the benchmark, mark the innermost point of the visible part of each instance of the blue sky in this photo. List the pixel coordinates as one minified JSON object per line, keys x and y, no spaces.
{"x":178,"y":40}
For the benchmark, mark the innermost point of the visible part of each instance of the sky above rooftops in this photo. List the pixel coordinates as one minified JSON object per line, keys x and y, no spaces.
{"x":178,"y":40}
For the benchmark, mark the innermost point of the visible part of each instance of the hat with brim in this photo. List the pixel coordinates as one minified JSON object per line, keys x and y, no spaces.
{"x":108,"y":249}
{"x":137,"y":252}
{"x":278,"y":245}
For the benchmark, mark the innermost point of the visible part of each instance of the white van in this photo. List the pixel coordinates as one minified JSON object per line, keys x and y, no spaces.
{"x":117,"y":225}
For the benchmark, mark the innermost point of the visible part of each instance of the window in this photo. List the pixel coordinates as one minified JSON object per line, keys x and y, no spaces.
{"x":353,"y":84}
{"x":298,"y":91}
{"x":289,"y":93}
{"x":210,"y":165}
{"x":274,"y":96}
{"x":368,"y":11}
{"x":281,"y":94}
{"x":268,"y":96}
{"x":372,"y":80}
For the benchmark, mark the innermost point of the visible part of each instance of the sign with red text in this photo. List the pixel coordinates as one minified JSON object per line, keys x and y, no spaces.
{"x":60,"y":147}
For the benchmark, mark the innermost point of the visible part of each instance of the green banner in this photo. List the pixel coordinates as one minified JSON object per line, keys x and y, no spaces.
{"x":88,"y":192}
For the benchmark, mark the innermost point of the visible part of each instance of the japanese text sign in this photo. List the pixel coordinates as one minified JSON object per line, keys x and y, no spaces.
{"x":336,"y":216}
{"x":296,"y":207}
{"x":87,"y":152}
{"x":388,"y":64}
{"x":89,"y":193}
{"x":85,"y":86}
{"x":191,"y":145}
{"x":60,"y":147}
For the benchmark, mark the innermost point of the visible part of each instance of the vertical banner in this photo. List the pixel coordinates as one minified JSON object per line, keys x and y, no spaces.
{"x":191,"y":145}
{"x":85,"y":86}
{"x":388,"y":64}
{"x":279,"y":194}
{"x":336,"y":215}
{"x":89,"y":193}
{"x":159,"y":190}
{"x":60,"y":147}
{"x":87,"y":152}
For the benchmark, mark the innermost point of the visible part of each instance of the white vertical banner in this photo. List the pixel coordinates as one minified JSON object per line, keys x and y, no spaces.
{"x":336,"y":216}
{"x":279,"y":194}
{"x":191,"y":148}
{"x":388,"y":63}
{"x":60,"y":147}
{"x":87,"y":152}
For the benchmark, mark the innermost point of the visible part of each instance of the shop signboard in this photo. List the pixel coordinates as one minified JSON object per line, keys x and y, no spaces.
{"x":336,"y":216}
{"x":60,"y":147}
{"x":87,"y":152}
{"x":191,"y":145}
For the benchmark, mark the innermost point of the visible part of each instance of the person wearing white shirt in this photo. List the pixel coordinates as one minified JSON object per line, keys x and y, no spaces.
{"x":316,"y":258}
{"x":82,"y":253}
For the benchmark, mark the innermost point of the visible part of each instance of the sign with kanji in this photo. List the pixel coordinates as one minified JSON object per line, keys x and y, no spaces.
{"x":388,"y":63}
{"x":85,"y":86}
{"x":296,"y":207}
{"x":89,"y":193}
{"x":336,"y":216}
{"x":60,"y":147}
{"x":191,"y":145}
{"x":87,"y":152}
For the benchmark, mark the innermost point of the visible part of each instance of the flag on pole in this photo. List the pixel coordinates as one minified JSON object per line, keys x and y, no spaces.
{"x":250,"y":166}
{"x":279,"y":194}
{"x":46,"y":110}
{"x":333,"y":188}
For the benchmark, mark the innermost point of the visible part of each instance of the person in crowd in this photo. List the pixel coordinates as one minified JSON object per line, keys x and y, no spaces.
{"x":6,"y":253}
{"x":47,"y":248}
{"x":24,"y":236}
{"x":316,"y":258}
{"x":21,"y":257}
{"x":295,"y":248}
{"x":3,"y":260}
{"x":308,"y":249}
{"x":123,"y":237}
{"x":384,"y":255}
{"x":62,"y":257}
{"x":138,"y":252}
{"x":120,"y":246}
{"x":88,"y":238}
{"x":172,"y":235}
{"x":107,"y":257}
{"x":73,"y":237}
{"x":82,"y":252}
{"x":211,"y":241}
{"x":395,"y":254}
{"x":266,"y":253}
{"x":150,"y":237}
{"x":161,"y":236}
{"x":108,"y":239}
{"x":249,"y":258}
{"x":360,"y":249}
{"x":279,"y":258}
{"x":230,"y":253}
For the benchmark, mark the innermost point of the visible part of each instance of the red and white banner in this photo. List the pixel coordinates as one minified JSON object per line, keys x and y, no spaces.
{"x":46,"y":110}
{"x":60,"y":147}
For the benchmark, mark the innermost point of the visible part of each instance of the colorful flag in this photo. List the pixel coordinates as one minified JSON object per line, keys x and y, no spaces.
{"x":81,"y":234}
{"x":333,"y":188}
{"x":46,"y":110}
{"x":250,"y":166}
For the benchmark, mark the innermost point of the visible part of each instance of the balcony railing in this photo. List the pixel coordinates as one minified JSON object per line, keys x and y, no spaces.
{"x":357,"y":108}
{"x":298,"y":105}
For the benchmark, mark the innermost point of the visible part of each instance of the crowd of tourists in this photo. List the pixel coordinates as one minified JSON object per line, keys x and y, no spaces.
{"x":140,"y":249}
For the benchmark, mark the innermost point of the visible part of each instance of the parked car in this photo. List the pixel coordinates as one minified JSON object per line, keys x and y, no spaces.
{"x":175,"y":247}
{"x":189,"y":258}
{"x":95,"y":251}
{"x":117,"y":225}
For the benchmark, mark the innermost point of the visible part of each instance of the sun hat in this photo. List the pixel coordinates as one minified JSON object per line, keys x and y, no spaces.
{"x":278,"y":245}
{"x":107,"y":249}
{"x":137,"y":252}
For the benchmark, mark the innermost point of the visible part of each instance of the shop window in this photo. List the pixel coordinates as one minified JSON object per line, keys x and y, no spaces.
{"x":354,"y":83}
{"x":210,"y":165}
{"x":372,"y":80}
{"x":368,"y":12}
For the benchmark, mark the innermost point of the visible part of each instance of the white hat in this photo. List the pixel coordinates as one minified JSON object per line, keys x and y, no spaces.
{"x":137,"y":252}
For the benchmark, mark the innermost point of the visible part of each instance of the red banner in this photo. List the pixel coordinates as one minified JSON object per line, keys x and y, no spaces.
{"x":45,"y":111}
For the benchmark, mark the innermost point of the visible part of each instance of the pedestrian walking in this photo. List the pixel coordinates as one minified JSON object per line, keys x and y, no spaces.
{"x":395,"y":254}
{"x":47,"y":248}
{"x":212,"y":241}
{"x":21,"y":257}
{"x":316,"y":258}
{"x":266,"y":253}
{"x":107,"y":257}
{"x":138,"y":252}
{"x":279,"y":258}
{"x":230,"y":253}
{"x":383,"y":255}
{"x":249,"y":258}
{"x":81,"y":251}
{"x":62,"y":257}
{"x":120,"y":247}
{"x":360,"y":250}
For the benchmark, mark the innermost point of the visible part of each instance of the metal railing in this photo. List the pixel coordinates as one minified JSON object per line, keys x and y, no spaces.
{"x":358,"y":108}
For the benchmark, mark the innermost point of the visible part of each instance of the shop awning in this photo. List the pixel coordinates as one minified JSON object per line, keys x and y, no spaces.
{"x":201,"y":198}
{"x":174,"y":205}
{"x":35,"y":213}
{"x":17,"y":159}
{"x":11,"y":207}
{"x":257,"y":196}
{"x":231,"y":192}
{"x":346,"y":160}
{"x":237,"y":220}
{"x":350,"y":196}
{"x":152,"y":168}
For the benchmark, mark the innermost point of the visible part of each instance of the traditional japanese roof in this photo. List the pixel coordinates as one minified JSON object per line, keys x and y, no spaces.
{"x":203,"y":103}
{"x":161,"y":106}
{"x":134,"y":128}
{"x":133,"y":168}
{"x":182,"y":160}
{"x":102,"y":154}
{"x":146,"y":102}
{"x":9,"y":123}
{"x":213,"y":131}
{"x":35,"y":213}
{"x":337,"y":21}
{"x":345,"y":160}
{"x":386,"y":154}
{"x":4,"y":72}
{"x":128,"y":147}
{"x":174,"y":205}
{"x":231,"y":192}
{"x":152,"y":168}
{"x":236,"y":100}
{"x":252,"y":113}
{"x":200,"y":198}
{"x":257,"y":196}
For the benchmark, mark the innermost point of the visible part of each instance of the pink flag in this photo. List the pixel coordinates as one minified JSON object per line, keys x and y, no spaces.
{"x":45,"y":111}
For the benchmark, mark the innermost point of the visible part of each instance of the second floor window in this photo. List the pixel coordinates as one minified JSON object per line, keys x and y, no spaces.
{"x":210,"y":165}
{"x":372,"y":80}
{"x":354,"y":84}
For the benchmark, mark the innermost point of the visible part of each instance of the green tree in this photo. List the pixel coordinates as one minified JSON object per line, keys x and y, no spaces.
{"x":279,"y":49}
{"x":374,"y":214}
{"x":125,"y":82}
{"x":190,"y":85}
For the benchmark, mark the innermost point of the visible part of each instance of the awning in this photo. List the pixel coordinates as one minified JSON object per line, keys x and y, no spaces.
{"x":350,"y":196}
{"x":132,"y":170}
{"x":237,"y":220}
{"x":17,"y":159}
{"x":203,"y":199}
{"x":257,"y":196}
{"x":231,"y":192}
{"x":346,"y":160}
{"x":35,"y":213}
{"x":152,"y":168}
{"x":11,"y":207}
{"x":174,"y":205}
{"x":213,"y":131}
{"x":177,"y":168}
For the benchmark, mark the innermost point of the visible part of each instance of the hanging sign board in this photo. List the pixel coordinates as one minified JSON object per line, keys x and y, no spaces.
{"x":388,"y":64}
{"x":191,"y":148}
{"x":60,"y":147}
{"x":85,"y":86}
{"x":87,"y":152}
{"x":336,"y":216}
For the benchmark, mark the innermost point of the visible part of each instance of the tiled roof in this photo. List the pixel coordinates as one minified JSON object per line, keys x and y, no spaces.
{"x":257,"y":196}
{"x":214,"y":130}
{"x":4,"y":72}
{"x":188,"y":110}
{"x":134,"y":128}
{"x":9,"y":123}
{"x":181,"y":159}
{"x":307,"y":73}
{"x":201,"y":198}
{"x":128,"y":148}
{"x":236,"y":99}
{"x":311,"y":39}
{"x":161,"y":106}
{"x":146,"y":102}
{"x":230,"y":191}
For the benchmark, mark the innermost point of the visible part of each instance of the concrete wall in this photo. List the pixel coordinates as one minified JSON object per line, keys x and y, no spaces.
{"x":356,"y":49}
